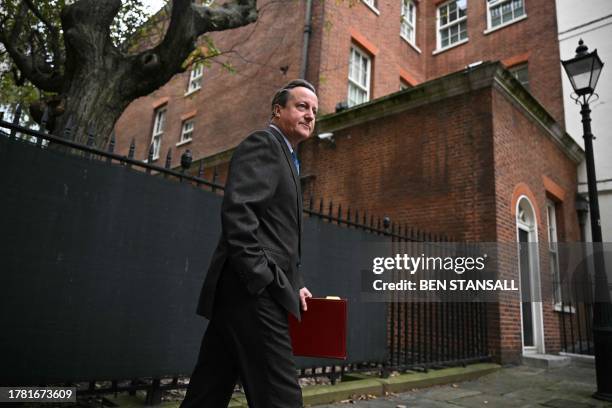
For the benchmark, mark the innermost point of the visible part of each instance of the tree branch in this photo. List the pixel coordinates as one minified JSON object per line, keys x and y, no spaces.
{"x":54,"y":40}
{"x":39,"y":15}
{"x":187,"y":22}
{"x":38,"y":71}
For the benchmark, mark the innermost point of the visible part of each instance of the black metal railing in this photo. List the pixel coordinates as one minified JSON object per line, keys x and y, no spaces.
{"x":576,"y":327}
{"x":42,"y":139}
{"x":420,"y":335}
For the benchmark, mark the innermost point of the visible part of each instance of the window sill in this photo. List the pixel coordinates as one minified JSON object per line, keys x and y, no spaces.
{"x":374,"y":9}
{"x":441,"y":50}
{"x":184,"y":142}
{"x":192,"y":92}
{"x":154,"y":159}
{"x":506,"y":24}
{"x":558,"y":307}
{"x":410,"y":43}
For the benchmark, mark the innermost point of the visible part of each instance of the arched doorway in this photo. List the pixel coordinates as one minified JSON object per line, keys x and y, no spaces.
{"x":529,"y":275}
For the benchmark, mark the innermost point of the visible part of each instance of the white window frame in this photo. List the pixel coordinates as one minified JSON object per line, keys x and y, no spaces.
{"x":195,"y":78}
{"x":372,"y":5}
{"x":159,"y":125}
{"x":553,"y":252}
{"x":408,"y":23}
{"x":457,"y":22}
{"x":491,"y":4}
{"x":355,"y":82}
{"x":187,"y":131}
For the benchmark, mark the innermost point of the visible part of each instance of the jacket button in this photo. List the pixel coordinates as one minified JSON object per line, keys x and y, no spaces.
{"x":298,"y":264}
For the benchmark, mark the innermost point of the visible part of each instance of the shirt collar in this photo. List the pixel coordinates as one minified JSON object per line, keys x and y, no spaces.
{"x":284,"y":137}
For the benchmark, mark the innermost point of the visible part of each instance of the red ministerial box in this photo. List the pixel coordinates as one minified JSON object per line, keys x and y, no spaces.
{"x":322,"y":331}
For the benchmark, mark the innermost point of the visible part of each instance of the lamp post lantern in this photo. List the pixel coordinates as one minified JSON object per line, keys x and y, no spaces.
{"x":583,"y":71}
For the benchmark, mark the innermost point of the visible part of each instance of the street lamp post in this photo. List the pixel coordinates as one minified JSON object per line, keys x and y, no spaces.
{"x":583,"y":71}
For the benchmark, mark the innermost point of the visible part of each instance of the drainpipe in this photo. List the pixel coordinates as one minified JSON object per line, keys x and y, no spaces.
{"x":307,"y":31}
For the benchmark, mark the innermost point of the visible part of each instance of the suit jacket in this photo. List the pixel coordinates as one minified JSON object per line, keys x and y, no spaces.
{"x":261,"y":220}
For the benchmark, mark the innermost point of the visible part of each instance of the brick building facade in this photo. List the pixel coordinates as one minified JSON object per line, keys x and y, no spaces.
{"x":461,"y":151}
{"x":456,"y":155}
{"x":229,"y":103}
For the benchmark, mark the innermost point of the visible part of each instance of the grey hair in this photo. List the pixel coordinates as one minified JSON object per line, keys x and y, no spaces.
{"x":282,"y":95}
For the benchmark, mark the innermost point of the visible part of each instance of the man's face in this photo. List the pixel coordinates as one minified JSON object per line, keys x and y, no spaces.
{"x":297,"y":118}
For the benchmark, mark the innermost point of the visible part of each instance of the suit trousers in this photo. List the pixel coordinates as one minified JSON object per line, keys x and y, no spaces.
{"x":247,"y":338}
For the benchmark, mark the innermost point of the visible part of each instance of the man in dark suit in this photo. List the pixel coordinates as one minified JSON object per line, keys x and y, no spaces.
{"x":254,"y":277}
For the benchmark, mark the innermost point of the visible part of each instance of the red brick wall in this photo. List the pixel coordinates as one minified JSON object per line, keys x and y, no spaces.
{"x":228,"y":106}
{"x":535,"y":35}
{"x":452,"y":167}
{"x":383,"y":31}
{"x":523,"y":154}
{"x":430,"y":167}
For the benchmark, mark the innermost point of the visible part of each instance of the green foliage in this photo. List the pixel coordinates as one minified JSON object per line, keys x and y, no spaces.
{"x":132,"y":15}
{"x":44,"y":39}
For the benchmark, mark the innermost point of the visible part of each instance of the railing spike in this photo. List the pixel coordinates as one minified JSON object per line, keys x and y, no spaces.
{"x":44,"y":119}
{"x":111,"y":143}
{"x":16,"y":119}
{"x":68,"y":128}
{"x":90,"y":139}
{"x":90,"y":135}
{"x":201,"y":169}
{"x":150,"y":155}
{"x":168,"y":158}
{"x":214,"y":178}
{"x":186,"y":160}
{"x":386,"y":222}
{"x":132,"y":149}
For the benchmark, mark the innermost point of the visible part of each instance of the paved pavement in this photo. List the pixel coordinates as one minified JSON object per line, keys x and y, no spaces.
{"x":522,"y":386}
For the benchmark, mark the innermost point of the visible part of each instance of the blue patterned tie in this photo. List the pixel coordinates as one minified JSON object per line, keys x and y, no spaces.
{"x":296,"y":162}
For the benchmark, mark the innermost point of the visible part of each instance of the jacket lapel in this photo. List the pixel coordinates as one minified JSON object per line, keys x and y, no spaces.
{"x":298,"y":190}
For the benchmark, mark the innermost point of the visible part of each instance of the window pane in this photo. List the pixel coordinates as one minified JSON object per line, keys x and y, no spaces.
{"x":444,"y":39}
{"x":359,"y":74}
{"x":504,"y":11}
{"x":462,"y":4}
{"x":495,"y":17}
{"x":364,"y":73}
{"x":463,"y":30}
{"x":452,"y":12}
{"x":443,"y":16}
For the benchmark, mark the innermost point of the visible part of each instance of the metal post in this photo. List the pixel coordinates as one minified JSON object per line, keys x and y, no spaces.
{"x":602,"y":308}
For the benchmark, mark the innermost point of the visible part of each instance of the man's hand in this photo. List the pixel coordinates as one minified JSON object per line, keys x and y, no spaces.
{"x":304,"y":293}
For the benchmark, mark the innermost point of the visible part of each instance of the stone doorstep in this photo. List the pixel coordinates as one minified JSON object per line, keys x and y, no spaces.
{"x":583,"y":359}
{"x":545,"y":360}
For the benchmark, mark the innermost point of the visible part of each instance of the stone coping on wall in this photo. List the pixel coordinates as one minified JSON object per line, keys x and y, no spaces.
{"x":486,"y":75}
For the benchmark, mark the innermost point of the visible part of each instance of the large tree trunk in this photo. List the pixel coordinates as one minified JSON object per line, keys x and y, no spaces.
{"x":91,"y":106}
